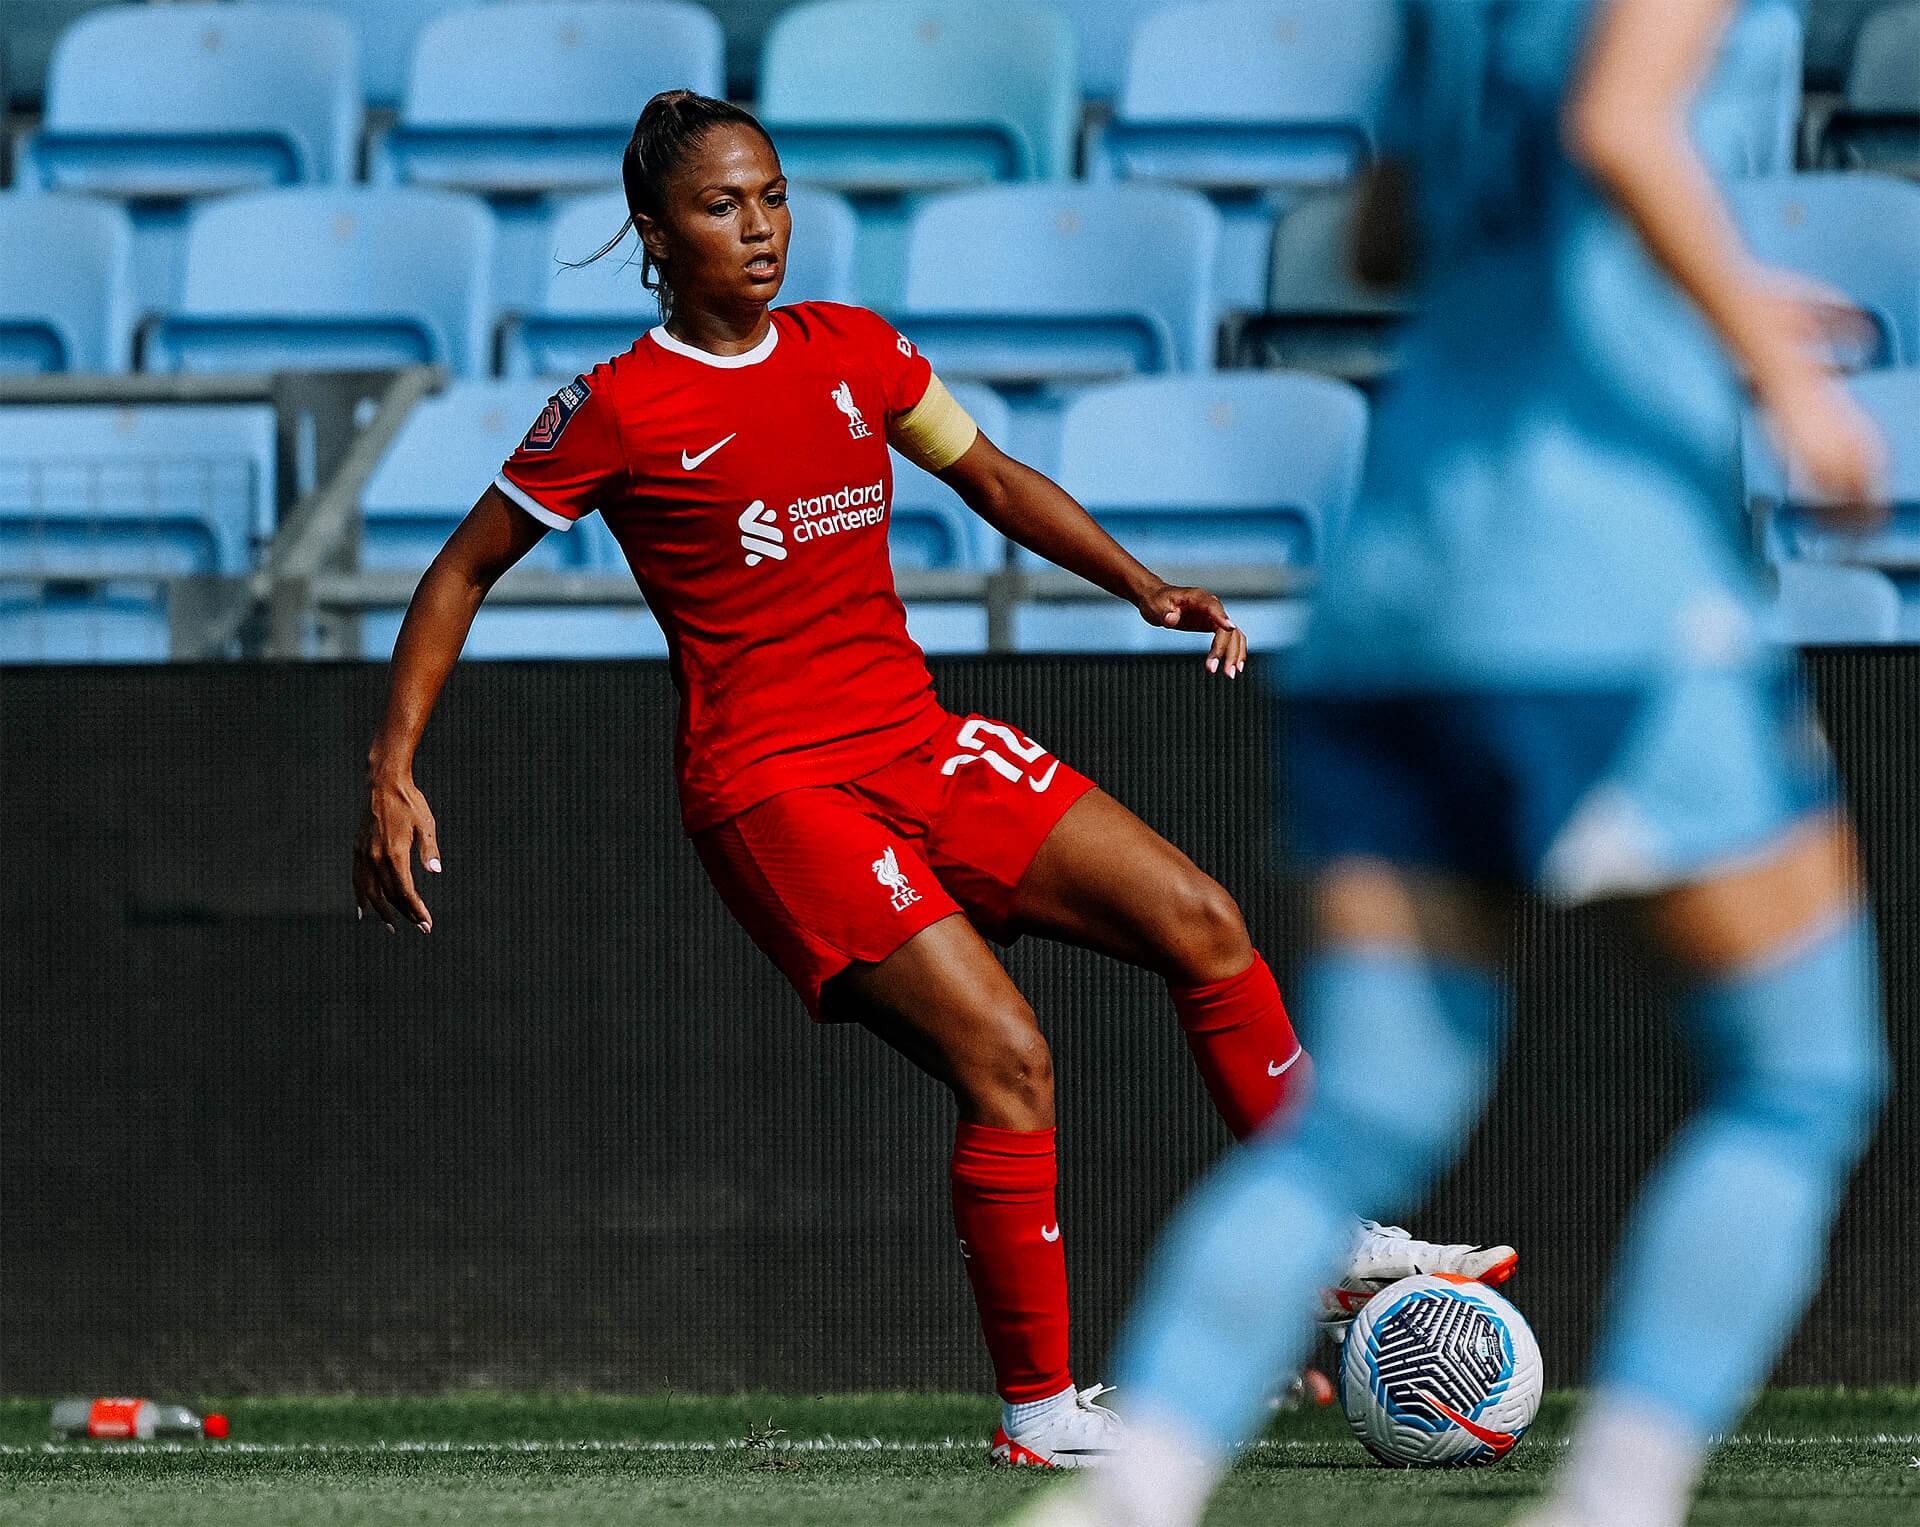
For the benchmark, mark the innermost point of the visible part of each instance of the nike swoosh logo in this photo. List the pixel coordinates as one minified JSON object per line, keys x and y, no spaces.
{"x":1050,"y":1235}
{"x":1040,"y":784}
{"x":690,"y":462}
{"x":1287,"y":1065}
{"x":1502,"y":1443}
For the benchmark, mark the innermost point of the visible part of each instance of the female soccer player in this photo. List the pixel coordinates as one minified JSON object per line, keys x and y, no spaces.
{"x":869,"y":841}
{"x":1537,"y":663}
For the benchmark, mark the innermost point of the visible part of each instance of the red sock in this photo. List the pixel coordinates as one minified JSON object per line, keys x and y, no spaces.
{"x":1003,"y":1182}
{"x":1244,"y":1045}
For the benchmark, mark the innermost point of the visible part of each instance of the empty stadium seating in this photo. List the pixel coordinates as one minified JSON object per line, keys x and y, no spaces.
{"x":512,"y":633}
{"x":1822,"y":605}
{"x":387,"y":31}
{"x":27,"y":40}
{"x":879,"y":95}
{"x":1319,"y":315}
{"x":113,"y":623}
{"x":1879,"y":127}
{"x":1748,"y":114}
{"x":533,"y":98}
{"x":66,"y":285}
{"x":321,"y":279}
{"x":586,"y":314}
{"x":192,"y":99}
{"x":1070,"y":283}
{"x":1855,"y":233}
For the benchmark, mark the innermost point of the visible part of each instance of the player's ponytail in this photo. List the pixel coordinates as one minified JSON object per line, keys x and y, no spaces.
{"x":669,"y":131}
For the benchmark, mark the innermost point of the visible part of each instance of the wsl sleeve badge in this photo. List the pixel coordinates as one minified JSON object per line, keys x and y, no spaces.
{"x":554,"y":418}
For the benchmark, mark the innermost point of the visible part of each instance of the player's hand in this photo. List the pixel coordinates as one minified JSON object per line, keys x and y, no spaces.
{"x":1187,"y":609}
{"x":396,"y":822}
{"x":1833,"y":443}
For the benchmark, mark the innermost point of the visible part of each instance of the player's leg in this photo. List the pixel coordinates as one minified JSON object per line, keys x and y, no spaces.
{"x":1407,"y":1024}
{"x":1780,"y":996}
{"x":1106,"y":881}
{"x":949,"y":1006}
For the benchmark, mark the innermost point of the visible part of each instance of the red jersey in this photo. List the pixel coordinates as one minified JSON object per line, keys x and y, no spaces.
{"x":751,"y":495}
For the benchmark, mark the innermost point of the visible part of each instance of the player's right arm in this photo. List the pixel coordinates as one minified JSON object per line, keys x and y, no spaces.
{"x":495,"y":535}
{"x":1626,"y":123}
{"x":571,"y":460}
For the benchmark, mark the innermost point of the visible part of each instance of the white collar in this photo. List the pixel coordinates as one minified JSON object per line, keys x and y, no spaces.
{"x":751,"y":357}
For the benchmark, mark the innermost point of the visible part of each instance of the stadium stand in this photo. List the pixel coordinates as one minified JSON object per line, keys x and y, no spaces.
{"x":1196,"y":472}
{"x":1833,"y":27}
{"x":111,"y":623}
{"x":1748,"y":115}
{"x":1879,"y":125}
{"x":1821,"y":605}
{"x":1294,"y":89}
{"x":1859,"y":234}
{"x":322,"y":279}
{"x":387,"y":30}
{"x":194,"y":99}
{"x":31,"y":29}
{"x":1063,"y":284}
{"x":66,"y":285}
{"x":586,"y":314}
{"x":931,"y":530}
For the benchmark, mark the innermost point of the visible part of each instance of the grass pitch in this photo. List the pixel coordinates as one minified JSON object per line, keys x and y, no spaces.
{"x":1846,"y":1458}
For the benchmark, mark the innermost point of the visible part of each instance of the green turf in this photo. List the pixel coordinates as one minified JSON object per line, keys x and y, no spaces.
{"x":1812,"y":1457}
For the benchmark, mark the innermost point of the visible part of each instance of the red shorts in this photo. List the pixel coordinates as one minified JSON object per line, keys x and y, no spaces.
{"x":829,"y":876}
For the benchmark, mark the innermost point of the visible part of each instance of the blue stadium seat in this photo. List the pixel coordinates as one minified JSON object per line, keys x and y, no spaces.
{"x":66,"y":285}
{"x":1748,"y":113}
{"x":441,"y":461}
{"x":387,"y":30}
{"x":1062,"y":283}
{"x":1105,"y":29}
{"x":1235,"y":468}
{"x":193,"y":99}
{"x":585,"y":315}
{"x":1879,"y":126}
{"x":1856,"y":233}
{"x":1319,"y":315}
{"x":1785,"y":507}
{"x":1271,"y":625}
{"x":115,"y":623}
{"x":1251,"y":94}
{"x":1823,"y":605}
{"x":540,"y":97}
{"x":33,"y":26}
{"x":160,"y":490}
{"x":882,"y":95}
{"x":316,"y":279}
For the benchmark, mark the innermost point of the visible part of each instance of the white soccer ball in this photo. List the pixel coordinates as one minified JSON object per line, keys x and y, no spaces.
{"x":1439,"y":1372}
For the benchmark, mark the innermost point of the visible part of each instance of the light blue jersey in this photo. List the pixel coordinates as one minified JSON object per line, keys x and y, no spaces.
{"x":1553,"y":495}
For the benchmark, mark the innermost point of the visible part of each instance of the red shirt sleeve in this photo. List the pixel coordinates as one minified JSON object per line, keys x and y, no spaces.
{"x":572,"y":460}
{"x":904,"y":371}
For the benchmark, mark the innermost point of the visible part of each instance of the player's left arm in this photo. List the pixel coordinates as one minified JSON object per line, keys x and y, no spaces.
{"x":1028,"y":507}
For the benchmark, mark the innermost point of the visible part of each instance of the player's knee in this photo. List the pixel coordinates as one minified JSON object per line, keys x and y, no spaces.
{"x":1827,"y":1099}
{"x":1202,"y":935}
{"x":1009,"y":1074}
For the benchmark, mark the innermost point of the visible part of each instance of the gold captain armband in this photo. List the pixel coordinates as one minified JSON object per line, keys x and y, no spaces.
{"x":937,"y":432}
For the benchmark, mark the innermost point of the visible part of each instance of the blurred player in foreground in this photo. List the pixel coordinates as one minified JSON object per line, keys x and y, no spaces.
{"x":868,"y":840}
{"x":1536,"y":663}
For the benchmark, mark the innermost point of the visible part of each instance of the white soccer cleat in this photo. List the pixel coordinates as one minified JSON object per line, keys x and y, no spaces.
{"x":1384,"y":1254}
{"x":1074,"y":1433}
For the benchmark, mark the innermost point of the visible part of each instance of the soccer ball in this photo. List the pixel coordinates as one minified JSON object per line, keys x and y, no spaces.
{"x":1439,"y":1372}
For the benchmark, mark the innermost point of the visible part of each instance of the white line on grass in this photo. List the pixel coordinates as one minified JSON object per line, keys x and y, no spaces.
{"x":808,"y":1445}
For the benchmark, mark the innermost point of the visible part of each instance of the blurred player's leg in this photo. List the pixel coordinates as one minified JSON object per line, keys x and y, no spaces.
{"x":1784,"y":1013}
{"x":949,"y":1006}
{"x":1405,"y":1043}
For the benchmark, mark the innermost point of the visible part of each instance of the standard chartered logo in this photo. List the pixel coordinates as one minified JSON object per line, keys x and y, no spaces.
{"x":761,"y":535}
{"x":810,"y":519}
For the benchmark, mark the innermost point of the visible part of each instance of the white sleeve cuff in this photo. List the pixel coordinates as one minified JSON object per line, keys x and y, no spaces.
{"x":532,"y":505}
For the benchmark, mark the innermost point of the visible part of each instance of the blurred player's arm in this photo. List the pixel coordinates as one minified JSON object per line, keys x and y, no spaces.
{"x":1627,"y":124}
{"x":1030,"y":508}
{"x":492,"y":538}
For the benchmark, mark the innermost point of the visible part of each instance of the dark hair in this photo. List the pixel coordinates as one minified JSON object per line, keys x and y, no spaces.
{"x":669,"y":130}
